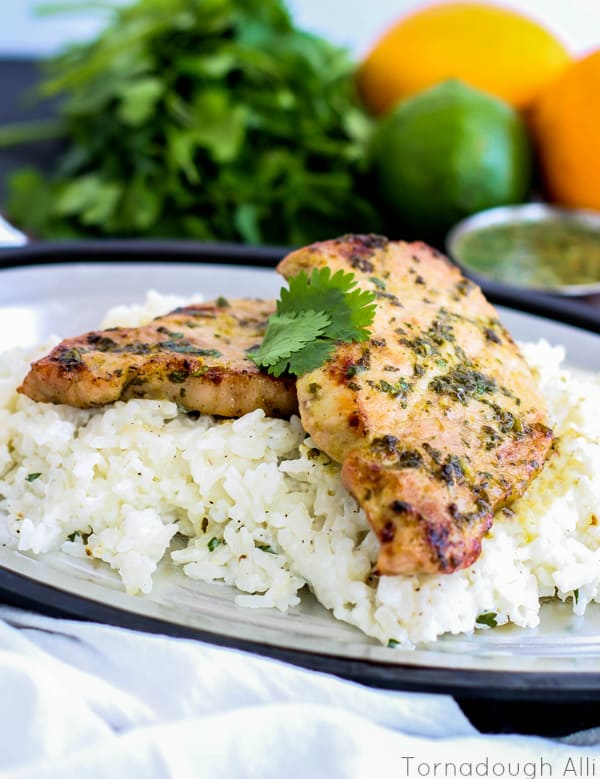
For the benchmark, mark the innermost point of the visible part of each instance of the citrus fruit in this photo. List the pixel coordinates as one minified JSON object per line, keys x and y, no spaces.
{"x":491,"y":48}
{"x":448,"y":152}
{"x":566,"y":129}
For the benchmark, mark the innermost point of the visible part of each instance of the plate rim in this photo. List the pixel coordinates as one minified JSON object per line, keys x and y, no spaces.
{"x":466,"y":683}
{"x":497,"y":684}
{"x":54,"y":253}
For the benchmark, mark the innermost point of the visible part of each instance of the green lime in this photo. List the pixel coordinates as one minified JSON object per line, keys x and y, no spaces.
{"x":448,"y":152}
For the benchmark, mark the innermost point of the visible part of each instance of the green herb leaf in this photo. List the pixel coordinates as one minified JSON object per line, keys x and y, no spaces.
{"x":350,"y":308}
{"x":313,"y":315}
{"x":32,"y":477}
{"x":392,"y":643}
{"x":286,"y":335}
{"x":266,"y":548}
{"x":216,"y":120}
{"x":178,"y":377}
{"x":488,"y":618}
{"x":379,"y":283}
{"x":89,"y":196}
{"x":139,"y":99}
{"x":213,"y":543}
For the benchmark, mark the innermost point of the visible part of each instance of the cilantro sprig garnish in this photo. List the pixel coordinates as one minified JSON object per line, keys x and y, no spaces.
{"x":313,"y":315}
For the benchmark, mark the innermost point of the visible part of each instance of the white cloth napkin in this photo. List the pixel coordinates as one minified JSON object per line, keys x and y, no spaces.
{"x":89,"y":701}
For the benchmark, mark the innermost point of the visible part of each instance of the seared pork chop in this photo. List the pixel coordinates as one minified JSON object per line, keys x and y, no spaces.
{"x":436,"y":420}
{"x":196,"y":356}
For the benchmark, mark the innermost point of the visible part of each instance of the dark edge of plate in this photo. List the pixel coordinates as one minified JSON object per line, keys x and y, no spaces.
{"x":561,"y":309}
{"x":568,"y":310}
{"x":158,"y":250}
{"x":21,"y":591}
{"x":564,"y":687}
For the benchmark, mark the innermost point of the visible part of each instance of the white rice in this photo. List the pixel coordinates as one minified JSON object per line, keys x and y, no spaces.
{"x":256,"y":506}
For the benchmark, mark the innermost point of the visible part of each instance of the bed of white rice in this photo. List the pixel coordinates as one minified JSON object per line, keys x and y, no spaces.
{"x":254,"y":505}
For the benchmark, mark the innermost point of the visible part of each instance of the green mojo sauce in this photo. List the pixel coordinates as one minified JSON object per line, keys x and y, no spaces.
{"x":535,"y":254}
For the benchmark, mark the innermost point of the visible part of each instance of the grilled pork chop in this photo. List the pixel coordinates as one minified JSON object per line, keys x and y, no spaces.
{"x":436,"y":419}
{"x":196,"y":356}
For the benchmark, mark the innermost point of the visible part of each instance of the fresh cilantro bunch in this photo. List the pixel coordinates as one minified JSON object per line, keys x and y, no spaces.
{"x":204,"y":119}
{"x":313,"y":315}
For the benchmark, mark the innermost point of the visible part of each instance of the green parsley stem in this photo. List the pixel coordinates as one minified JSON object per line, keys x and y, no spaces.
{"x":31,"y":132}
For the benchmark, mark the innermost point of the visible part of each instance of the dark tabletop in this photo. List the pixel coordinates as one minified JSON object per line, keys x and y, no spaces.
{"x":17,"y":82}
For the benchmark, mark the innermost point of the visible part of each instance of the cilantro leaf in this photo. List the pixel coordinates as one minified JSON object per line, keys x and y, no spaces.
{"x":487,"y":618}
{"x":286,"y":334}
{"x":313,"y":356}
{"x":214,"y":543}
{"x":351,"y":309}
{"x":314,"y":314}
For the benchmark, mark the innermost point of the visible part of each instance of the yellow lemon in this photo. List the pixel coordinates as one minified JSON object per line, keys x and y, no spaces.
{"x":491,"y":48}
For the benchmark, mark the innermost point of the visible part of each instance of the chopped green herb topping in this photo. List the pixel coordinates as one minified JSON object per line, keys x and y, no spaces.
{"x":165,"y":331}
{"x":400,"y":389}
{"x":185,"y":347}
{"x":452,"y":470}
{"x":409,"y":458}
{"x":32,"y":476}
{"x":101,"y":342}
{"x":214,"y":543}
{"x":489,"y":619}
{"x":379,"y":283}
{"x":70,"y":358}
{"x":463,"y":383}
{"x":352,"y":370}
{"x":178,"y":377}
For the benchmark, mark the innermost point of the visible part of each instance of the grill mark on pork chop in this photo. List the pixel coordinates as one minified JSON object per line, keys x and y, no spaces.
{"x":436,"y":420}
{"x":196,"y":356}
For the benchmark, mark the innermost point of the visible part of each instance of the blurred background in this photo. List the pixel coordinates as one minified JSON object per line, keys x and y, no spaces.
{"x":352,"y":23}
{"x":267,"y":122}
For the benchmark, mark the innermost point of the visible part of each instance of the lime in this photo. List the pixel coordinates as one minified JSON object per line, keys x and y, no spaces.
{"x":448,"y":152}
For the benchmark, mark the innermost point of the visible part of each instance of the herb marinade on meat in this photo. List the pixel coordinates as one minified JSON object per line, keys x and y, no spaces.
{"x":436,"y":419}
{"x":196,"y":356}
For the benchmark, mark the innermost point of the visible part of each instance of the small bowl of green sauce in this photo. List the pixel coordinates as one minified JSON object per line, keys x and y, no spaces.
{"x":535,"y":246}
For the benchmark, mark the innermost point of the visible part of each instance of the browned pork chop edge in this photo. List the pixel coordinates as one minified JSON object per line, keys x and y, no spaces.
{"x":196,"y":356}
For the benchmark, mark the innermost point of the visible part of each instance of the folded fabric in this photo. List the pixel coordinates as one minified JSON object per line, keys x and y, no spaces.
{"x":87,"y":700}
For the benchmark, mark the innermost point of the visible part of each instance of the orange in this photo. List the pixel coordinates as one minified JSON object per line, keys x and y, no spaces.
{"x":566,"y":129}
{"x":491,"y":48}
